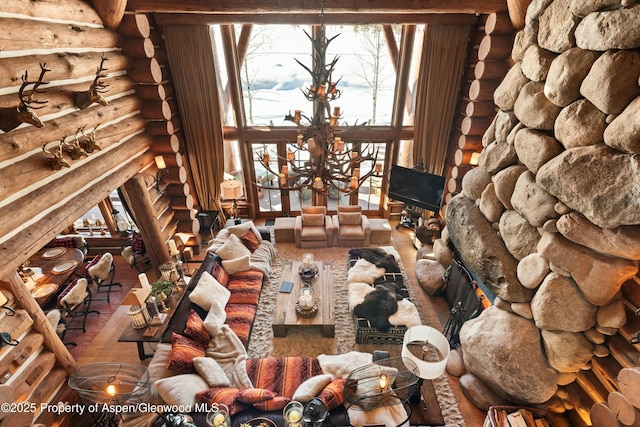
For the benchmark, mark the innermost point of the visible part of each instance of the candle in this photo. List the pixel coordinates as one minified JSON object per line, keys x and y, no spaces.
{"x":173,"y":249}
{"x":339,"y":144}
{"x":311,"y":144}
{"x":291,"y":156}
{"x":378,"y":167}
{"x":317,"y":183}
{"x":111,"y":390}
{"x":299,"y":140}
{"x":333,"y":120}
{"x":294,"y":416}
{"x":382,"y":381}
{"x":297,"y":116}
{"x":282,"y":178}
{"x":336,"y":111}
{"x":265,"y":158}
{"x":144,"y":281}
{"x":160,"y":163}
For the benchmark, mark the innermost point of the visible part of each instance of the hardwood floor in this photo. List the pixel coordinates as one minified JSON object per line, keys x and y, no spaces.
{"x":100,"y":344}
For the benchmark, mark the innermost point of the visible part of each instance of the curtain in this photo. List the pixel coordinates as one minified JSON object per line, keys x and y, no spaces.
{"x":190,"y":53}
{"x":441,"y":67}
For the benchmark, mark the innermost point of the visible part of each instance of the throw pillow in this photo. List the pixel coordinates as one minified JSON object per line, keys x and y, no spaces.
{"x":340,"y":365}
{"x":276,"y":404}
{"x":220,"y":275}
{"x":236,"y":265}
{"x":311,"y":387}
{"x":333,"y":394}
{"x":211,"y":372}
{"x":233,"y":248}
{"x":240,"y":229}
{"x":222,"y":395}
{"x":183,"y":350}
{"x":254,"y":395}
{"x":349,"y":218}
{"x":250,"y":240}
{"x":208,"y":290}
{"x":195,"y":328}
{"x":180,"y":390}
{"x":313,"y":220}
{"x":215,"y":318}
{"x":136,"y":242}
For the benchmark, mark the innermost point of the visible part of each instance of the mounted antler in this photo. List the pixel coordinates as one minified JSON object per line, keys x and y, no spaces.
{"x":73,"y":148}
{"x":88,"y":97}
{"x":12,"y":117}
{"x":88,"y":142}
{"x":57,"y":161}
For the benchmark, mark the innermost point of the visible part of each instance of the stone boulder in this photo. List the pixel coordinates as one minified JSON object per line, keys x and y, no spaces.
{"x":455,"y":363}
{"x":490,"y":205}
{"x":474,"y":182}
{"x":479,"y":393}
{"x":504,"y":183}
{"x":566,"y":73}
{"x":531,"y":200}
{"x":521,"y":42}
{"x":623,"y":133}
{"x":532,"y":270}
{"x":599,"y":277}
{"x":556,"y":26}
{"x":523,"y":309}
{"x":559,"y":305}
{"x":535,"y":9}
{"x":442,"y":253}
{"x":612,"y":81}
{"x":608,"y":195}
{"x":534,"y":109}
{"x":497,"y":156}
{"x":567,"y":351}
{"x":612,"y":315}
{"x":621,"y":242}
{"x":579,"y":124}
{"x":483,"y":250}
{"x":520,"y":237}
{"x":536,"y":62}
{"x":429,"y":274}
{"x":508,"y":90}
{"x":583,"y":8}
{"x":611,"y":29}
{"x":535,"y":148}
{"x":505,"y":121}
{"x":504,"y":350}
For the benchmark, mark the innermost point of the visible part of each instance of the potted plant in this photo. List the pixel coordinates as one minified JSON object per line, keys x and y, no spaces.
{"x":163,"y":286}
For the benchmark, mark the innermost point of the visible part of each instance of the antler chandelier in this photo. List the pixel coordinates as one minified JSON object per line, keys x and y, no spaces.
{"x":331,"y":162}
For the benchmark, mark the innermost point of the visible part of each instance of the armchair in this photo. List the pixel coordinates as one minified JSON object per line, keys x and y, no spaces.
{"x":352,"y":228}
{"x":135,"y":253}
{"x":313,"y":228}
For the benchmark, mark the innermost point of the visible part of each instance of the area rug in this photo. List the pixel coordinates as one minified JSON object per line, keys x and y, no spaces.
{"x":311,"y":343}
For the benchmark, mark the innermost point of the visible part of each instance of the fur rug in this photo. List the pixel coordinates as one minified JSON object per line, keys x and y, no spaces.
{"x":262,"y":343}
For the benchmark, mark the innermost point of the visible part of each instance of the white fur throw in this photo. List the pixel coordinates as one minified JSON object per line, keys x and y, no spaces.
{"x":233,"y":248}
{"x":340,"y":365}
{"x":211,"y":372}
{"x":100,"y":270}
{"x":209,"y":290}
{"x":364,"y":271}
{"x":54,"y":317}
{"x":215,"y":318}
{"x":406,"y":315}
{"x":387,"y":416}
{"x":127,"y":254}
{"x":391,"y":250}
{"x":311,"y":387}
{"x":180,"y":389}
{"x":77,"y":294}
{"x":357,"y":292}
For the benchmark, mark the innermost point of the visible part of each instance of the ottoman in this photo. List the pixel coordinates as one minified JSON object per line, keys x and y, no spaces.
{"x":283,"y":230}
{"x":380,"y":231}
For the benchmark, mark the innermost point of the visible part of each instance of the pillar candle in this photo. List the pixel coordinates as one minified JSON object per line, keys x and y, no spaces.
{"x":173,"y":249}
{"x":144,"y":281}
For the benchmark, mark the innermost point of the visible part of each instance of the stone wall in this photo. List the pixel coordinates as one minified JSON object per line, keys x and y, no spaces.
{"x":550,"y":219}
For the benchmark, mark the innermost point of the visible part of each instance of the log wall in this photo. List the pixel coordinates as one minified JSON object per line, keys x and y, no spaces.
{"x":38,"y":202}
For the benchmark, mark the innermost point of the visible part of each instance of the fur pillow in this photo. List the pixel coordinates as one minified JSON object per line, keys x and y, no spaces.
{"x":312,"y":220}
{"x":211,"y":372}
{"x":364,"y":271}
{"x":215,"y":318}
{"x":239,"y":229}
{"x":407,"y":315}
{"x":377,"y":307}
{"x":100,"y":270}
{"x":236,"y":265}
{"x":233,"y":248}
{"x":311,"y":387}
{"x":208,"y":290}
{"x":180,"y":389}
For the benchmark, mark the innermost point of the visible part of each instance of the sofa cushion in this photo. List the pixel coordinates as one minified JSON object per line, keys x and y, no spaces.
{"x":349,"y":218}
{"x":180,"y":390}
{"x":233,"y":248}
{"x":245,"y":287}
{"x":208,"y":290}
{"x":236,"y":265}
{"x":283,"y":375}
{"x":250,"y":240}
{"x":240,"y":319}
{"x":222,"y":395}
{"x":195,"y":329}
{"x":311,"y":387}
{"x":239,"y":229}
{"x":211,"y":372}
{"x":313,"y":233}
{"x":354,"y":232}
{"x":312,"y":219}
{"x":333,"y":394}
{"x":183,"y":350}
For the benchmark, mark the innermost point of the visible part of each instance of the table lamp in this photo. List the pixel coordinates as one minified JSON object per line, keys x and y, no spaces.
{"x":232,"y":190}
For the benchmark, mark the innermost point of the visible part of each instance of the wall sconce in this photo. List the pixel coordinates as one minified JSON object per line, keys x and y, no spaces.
{"x":232,"y":190}
{"x":474,"y":159}
{"x":162,"y":168}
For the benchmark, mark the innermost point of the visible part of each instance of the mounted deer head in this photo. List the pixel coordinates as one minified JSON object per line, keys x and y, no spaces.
{"x":73,"y":148}
{"x":88,"y":142}
{"x":12,"y":117}
{"x":88,"y":97}
{"x":57,"y":161}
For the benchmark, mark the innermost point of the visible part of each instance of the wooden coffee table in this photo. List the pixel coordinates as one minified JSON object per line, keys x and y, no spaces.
{"x":285,"y":317}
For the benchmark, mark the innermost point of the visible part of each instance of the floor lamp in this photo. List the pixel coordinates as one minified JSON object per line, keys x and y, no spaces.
{"x":232,"y":190}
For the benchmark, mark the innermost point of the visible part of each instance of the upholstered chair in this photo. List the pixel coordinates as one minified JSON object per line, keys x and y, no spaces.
{"x":313,"y":228}
{"x":352,"y":228}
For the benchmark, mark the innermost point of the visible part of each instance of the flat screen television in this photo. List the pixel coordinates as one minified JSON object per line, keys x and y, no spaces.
{"x":416,"y":188}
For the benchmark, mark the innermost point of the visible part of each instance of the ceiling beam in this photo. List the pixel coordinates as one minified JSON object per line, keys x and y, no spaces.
{"x":308,"y":18}
{"x":302,"y":6}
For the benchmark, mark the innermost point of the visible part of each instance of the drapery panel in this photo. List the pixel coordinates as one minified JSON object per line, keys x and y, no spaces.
{"x":441,"y":68}
{"x":190,"y":53}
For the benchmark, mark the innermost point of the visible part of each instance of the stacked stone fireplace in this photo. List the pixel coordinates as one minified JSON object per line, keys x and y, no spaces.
{"x":550,"y":219}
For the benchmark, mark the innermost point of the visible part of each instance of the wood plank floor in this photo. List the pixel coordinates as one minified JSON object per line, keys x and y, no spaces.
{"x":100,"y":344}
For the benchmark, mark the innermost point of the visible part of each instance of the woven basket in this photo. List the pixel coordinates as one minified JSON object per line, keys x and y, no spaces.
{"x":492,"y":415}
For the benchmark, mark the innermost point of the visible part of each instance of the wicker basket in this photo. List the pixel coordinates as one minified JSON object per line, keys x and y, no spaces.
{"x":492,"y":415}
